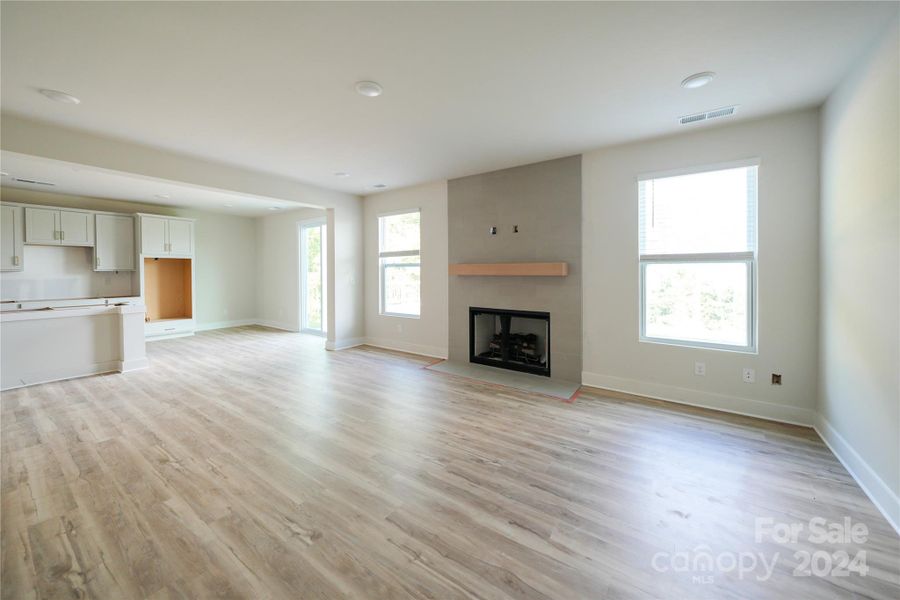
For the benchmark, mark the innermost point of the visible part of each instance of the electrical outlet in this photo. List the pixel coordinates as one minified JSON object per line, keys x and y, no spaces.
{"x":749,"y":375}
{"x":776,"y":378}
{"x":700,"y":369}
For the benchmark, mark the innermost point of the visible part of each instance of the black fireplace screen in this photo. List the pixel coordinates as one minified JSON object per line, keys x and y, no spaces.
{"x":510,"y":339}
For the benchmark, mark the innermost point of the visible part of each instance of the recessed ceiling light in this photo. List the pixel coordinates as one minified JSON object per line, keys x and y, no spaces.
{"x":341,"y":174}
{"x":368,"y":88}
{"x":379,"y":186}
{"x":58,"y":96}
{"x":162,"y":196}
{"x":697,"y":80}
{"x":274,"y":208}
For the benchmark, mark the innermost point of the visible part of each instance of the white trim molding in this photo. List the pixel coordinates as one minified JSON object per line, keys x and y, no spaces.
{"x":401,"y":346}
{"x":133,"y":365}
{"x":793,"y":415}
{"x":226,"y":324}
{"x":344,"y":343}
{"x":883,"y":497}
{"x":62,"y":374}
{"x":275,"y":325}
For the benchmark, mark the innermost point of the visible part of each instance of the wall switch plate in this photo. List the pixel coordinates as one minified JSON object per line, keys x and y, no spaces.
{"x":700,"y":369}
{"x":749,"y":375}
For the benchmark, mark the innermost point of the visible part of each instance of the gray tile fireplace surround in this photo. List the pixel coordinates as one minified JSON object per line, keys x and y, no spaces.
{"x":544,"y":201}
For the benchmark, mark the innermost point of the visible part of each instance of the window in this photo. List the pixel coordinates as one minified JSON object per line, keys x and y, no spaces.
{"x":398,"y":257}
{"x":698,"y":258}
{"x":313,"y":316}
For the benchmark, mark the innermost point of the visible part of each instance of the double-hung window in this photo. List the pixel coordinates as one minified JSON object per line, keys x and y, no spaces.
{"x":698,"y":258}
{"x":399,"y":267}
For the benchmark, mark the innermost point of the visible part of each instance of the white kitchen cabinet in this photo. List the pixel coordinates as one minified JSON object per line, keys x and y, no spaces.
{"x":154,"y":231}
{"x":166,"y":236}
{"x":181,"y":237}
{"x":49,"y":226}
{"x":11,"y":238}
{"x":76,"y":228}
{"x":114,"y":249}
{"x":41,"y":225}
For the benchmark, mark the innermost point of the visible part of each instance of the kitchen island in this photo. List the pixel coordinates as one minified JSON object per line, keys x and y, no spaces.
{"x":49,"y":340}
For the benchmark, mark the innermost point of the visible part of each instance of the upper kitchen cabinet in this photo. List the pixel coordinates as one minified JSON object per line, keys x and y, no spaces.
{"x":51,"y":226}
{"x":76,"y":228}
{"x":166,"y":236}
{"x":181,"y":237}
{"x":114,"y":250}
{"x":11,"y":237}
{"x":154,"y":235}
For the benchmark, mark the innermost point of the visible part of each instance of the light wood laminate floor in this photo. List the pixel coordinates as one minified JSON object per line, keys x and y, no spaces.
{"x":250,"y":463}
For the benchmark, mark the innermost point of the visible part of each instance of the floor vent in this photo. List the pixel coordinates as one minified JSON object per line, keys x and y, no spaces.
{"x":710,"y":114}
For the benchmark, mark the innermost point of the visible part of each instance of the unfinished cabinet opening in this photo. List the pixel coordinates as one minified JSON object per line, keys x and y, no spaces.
{"x":168,"y":288}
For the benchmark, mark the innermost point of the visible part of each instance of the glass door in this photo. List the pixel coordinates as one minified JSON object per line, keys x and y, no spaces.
{"x":312,"y":277}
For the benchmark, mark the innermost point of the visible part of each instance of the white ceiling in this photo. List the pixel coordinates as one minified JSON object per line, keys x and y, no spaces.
{"x":82,"y":180}
{"x":469,"y":87}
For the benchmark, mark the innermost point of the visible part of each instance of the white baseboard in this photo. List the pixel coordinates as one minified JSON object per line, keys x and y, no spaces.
{"x":344,"y":343}
{"x":401,"y":346}
{"x":50,"y":375}
{"x":171,"y":336}
{"x":275,"y":325}
{"x":225,"y":324}
{"x":882,"y":496}
{"x":133,"y":365}
{"x":732,"y":404}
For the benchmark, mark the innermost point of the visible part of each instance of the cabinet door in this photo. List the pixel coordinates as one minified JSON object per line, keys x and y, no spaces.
{"x":41,"y":226}
{"x":76,"y":228}
{"x":153,"y":236}
{"x":181,"y":237}
{"x":114,"y":250}
{"x":10,"y":238}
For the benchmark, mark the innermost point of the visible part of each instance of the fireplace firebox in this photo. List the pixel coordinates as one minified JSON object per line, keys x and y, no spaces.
{"x":510,"y":339}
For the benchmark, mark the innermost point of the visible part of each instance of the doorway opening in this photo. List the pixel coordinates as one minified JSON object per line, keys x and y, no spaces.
{"x":313,"y":305}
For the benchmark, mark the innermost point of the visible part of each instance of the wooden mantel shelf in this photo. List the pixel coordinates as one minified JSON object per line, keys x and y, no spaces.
{"x":533,"y":269}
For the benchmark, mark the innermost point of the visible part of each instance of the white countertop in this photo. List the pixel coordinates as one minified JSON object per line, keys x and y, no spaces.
{"x":67,"y":312}
{"x":7,"y":306}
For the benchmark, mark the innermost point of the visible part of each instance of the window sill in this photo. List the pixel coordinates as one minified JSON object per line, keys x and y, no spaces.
{"x":699,"y":345}
{"x":399,"y":315}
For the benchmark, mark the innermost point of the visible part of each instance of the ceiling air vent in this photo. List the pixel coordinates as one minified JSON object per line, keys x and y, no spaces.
{"x":710,"y":114}
{"x":20,"y":180}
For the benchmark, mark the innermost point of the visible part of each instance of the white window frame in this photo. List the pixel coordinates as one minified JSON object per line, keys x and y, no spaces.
{"x":304,"y":227}
{"x":748,"y":258}
{"x":395,"y":254}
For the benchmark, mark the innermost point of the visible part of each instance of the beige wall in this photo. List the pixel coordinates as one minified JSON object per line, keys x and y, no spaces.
{"x":345,"y":210}
{"x":225,"y":250}
{"x":787,"y":147}
{"x":859,"y":391}
{"x":278,"y":276}
{"x":427,"y":334}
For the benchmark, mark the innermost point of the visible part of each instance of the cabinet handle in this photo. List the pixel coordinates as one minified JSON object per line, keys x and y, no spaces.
{"x":98,"y":261}
{"x":55,"y":234}
{"x":62,"y":235}
{"x":16,"y":260}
